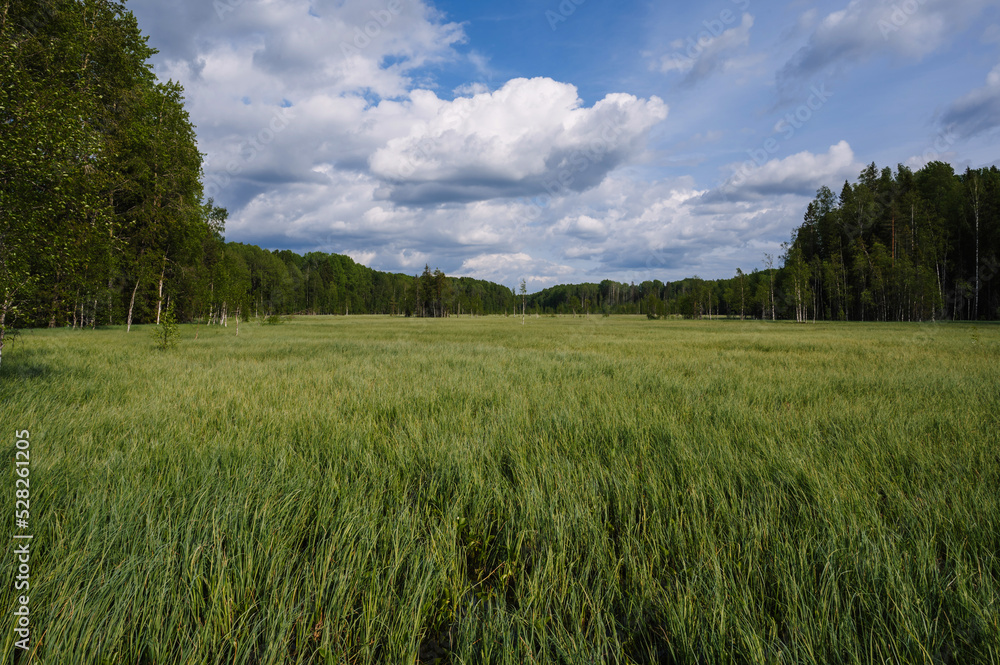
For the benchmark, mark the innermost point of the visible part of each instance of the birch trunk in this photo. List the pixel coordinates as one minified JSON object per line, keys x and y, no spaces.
{"x":159,"y":302}
{"x":131,"y":306}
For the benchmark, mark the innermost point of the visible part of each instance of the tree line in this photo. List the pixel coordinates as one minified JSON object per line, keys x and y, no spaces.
{"x":692,"y":297}
{"x":100,"y":176}
{"x":904,"y":246}
{"x":103,"y":218}
{"x":102,"y":211}
{"x":263,"y":282}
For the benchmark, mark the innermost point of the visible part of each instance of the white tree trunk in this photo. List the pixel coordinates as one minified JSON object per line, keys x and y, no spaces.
{"x":159,"y":302}
{"x":131,"y":306}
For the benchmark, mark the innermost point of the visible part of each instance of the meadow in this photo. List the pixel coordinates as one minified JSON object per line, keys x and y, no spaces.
{"x":474,"y":490}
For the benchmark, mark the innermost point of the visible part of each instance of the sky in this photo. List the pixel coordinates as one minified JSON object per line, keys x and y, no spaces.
{"x":566,"y":141}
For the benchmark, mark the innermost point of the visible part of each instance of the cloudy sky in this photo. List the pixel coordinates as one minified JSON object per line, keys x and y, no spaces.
{"x":566,"y":140}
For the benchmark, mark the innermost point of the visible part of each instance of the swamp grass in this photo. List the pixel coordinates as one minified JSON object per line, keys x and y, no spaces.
{"x":471,"y":490}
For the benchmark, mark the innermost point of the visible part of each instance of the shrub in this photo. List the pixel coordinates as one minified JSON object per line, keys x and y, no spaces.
{"x":166,"y":333}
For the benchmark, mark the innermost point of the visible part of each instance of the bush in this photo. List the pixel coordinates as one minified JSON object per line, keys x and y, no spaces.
{"x":166,"y":333}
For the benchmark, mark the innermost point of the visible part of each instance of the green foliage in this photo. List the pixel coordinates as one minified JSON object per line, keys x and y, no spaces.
{"x":366,"y":490}
{"x":53,"y":225}
{"x":167,"y":332}
{"x":99,"y":172}
{"x":904,"y":246}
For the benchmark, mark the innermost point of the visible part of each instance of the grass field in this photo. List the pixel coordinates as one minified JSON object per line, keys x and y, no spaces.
{"x":574,"y":490}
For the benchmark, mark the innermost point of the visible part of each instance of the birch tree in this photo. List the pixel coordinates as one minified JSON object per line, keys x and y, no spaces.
{"x":47,"y":207}
{"x":524,"y":295}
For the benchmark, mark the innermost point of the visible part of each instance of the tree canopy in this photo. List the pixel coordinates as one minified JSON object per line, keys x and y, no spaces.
{"x":903,"y":246}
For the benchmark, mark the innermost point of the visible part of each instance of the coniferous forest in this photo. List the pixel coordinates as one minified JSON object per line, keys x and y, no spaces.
{"x":103,"y":219}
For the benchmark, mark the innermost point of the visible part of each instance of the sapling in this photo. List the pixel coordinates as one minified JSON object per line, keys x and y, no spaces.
{"x":166,"y":333}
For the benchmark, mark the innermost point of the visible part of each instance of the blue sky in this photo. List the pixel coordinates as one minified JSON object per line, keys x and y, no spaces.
{"x":566,"y":140}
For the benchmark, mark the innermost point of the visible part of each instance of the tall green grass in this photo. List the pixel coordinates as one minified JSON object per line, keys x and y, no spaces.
{"x":574,"y":490}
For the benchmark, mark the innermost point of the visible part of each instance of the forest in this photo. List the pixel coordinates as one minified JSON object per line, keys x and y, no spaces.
{"x":102,"y":212}
{"x":103,"y":219}
{"x":904,"y":246}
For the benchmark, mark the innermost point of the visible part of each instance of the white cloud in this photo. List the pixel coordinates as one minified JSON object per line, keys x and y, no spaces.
{"x":320,"y":65}
{"x":363,"y":257}
{"x":342,"y":43}
{"x":347,"y":153}
{"x":866,"y":28}
{"x":501,"y":268}
{"x":801,"y":174}
{"x":635,"y":231}
{"x":529,"y":136}
{"x":708,"y":52}
{"x":978,"y":111}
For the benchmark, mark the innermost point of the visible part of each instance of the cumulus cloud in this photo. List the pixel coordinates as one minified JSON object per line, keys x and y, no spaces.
{"x":323,"y":132}
{"x":530,"y":136}
{"x":361,"y":256}
{"x":799,"y":174}
{"x":538,"y":273}
{"x":976,"y":112}
{"x":624,"y":229}
{"x":281,"y":90}
{"x":909,"y":29}
{"x":638,"y":231}
{"x":345,"y":43}
{"x":342,"y":215}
